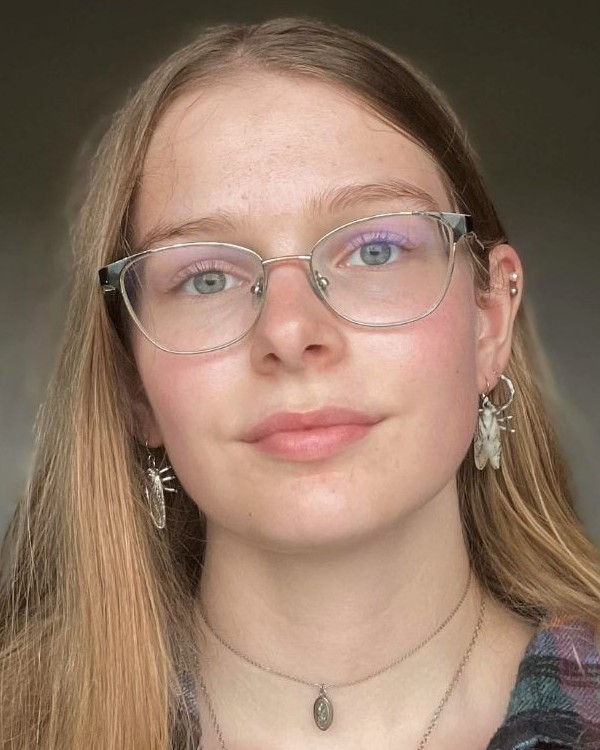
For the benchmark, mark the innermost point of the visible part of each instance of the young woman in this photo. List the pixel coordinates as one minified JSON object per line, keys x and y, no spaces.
{"x":296,"y":486}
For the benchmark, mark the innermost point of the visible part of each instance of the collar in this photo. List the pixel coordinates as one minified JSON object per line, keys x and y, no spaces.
{"x":555,"y":703}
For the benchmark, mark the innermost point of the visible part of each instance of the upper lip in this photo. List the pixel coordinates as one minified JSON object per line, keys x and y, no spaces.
{"x":294,"y":421}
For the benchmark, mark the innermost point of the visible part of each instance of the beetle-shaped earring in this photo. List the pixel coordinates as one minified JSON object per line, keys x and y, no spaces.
{"x":155,"y":488}
{"x":492,"y":419}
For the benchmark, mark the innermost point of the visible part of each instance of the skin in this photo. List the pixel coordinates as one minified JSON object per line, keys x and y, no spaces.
{"x":326,"y":569}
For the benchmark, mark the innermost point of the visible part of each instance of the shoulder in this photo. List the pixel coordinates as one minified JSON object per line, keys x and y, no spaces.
{"x":556,"y":699}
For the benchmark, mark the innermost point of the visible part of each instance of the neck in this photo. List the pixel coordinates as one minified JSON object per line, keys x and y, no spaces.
{"x":334,"y":615}
{"x":341,"y":614}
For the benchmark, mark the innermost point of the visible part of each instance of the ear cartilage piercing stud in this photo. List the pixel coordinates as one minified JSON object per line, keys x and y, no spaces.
{"x":513,"y":277}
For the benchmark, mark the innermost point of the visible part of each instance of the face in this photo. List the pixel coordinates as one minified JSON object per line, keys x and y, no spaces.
{"x":263,"y":157}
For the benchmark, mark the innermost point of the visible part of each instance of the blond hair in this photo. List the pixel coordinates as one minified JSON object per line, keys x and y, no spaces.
{"x":95,"y":622}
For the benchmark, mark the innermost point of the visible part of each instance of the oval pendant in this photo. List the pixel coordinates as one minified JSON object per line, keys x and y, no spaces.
{"x":323,"y":711}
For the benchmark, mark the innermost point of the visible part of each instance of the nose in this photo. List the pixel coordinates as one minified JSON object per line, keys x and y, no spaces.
{"x":295,"y":329}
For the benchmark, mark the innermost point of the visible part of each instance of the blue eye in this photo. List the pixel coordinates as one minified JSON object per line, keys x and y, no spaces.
{"x":375,"y":251}
{"x":208,"y":278}
{"x":209,"y":282}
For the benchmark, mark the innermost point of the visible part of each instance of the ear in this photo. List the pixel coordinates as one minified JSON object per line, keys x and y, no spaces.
{"x":147,"y":427}
{"x":497,"y":309}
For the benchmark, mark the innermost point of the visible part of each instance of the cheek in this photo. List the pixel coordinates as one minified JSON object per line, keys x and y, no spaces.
{"x":433,"y":374}
{"x":446,"y":378}
{"x":188,"y":396}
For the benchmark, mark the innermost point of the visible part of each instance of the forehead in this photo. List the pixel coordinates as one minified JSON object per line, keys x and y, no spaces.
{"x":270,"y":149}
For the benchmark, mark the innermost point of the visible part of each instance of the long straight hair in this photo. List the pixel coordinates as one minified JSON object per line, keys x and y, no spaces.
{"x":95,"y":622}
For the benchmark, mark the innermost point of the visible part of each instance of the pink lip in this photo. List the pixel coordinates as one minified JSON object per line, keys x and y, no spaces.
{"x":311,"y":435}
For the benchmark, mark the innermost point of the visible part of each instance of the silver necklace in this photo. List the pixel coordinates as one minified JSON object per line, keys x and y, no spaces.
{"x":436,"y":715}
{"x":323,"y":705}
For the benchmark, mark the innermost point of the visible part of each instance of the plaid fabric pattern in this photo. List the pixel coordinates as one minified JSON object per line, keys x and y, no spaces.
{"x":555,"y":703}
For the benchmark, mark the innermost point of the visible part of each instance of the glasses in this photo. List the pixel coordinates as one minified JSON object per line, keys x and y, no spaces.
{"x":379,"y":271}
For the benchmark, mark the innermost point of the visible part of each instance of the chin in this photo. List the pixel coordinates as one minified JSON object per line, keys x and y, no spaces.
{"x":322,"y":520}
{"x":313,"y":539}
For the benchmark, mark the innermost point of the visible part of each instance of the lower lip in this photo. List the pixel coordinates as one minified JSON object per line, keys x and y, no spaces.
{"x":314,"y":444}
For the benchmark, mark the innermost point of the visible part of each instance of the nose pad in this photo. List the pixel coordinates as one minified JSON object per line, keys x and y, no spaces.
{"x":320,"y":284}
{"x":257,"y":290}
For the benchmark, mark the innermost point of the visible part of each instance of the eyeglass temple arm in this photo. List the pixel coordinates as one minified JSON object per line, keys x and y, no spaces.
{"x":460,"y":224}
{"x":109,"y":275}
{"x":109,"y":283}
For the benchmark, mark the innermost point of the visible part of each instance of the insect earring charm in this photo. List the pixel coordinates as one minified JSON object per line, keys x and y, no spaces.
{"x":487,"y":445}
{"x":155,"y":488}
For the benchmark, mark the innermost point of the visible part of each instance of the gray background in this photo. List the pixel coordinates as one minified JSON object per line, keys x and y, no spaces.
{"x":523,"y":77}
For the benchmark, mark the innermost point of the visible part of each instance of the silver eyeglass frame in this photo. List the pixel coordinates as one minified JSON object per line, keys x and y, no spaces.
{"x":111,"y":277}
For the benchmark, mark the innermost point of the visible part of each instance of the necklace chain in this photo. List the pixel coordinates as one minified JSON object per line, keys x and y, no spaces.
{"x":358,"y":681}
{"x":455,"y":678}
{"x":434,"y":719}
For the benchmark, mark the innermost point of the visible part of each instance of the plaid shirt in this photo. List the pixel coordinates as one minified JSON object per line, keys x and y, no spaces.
{"x":555,"y":703}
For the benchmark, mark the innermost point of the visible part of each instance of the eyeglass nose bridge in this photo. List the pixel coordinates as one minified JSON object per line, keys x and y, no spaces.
{"x":318,"y":282}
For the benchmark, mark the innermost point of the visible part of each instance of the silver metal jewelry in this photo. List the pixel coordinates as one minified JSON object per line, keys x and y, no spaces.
{"x":323,"y":705}
{"x":487,"y":445}
{"x":155,"y":488}
{"x":436,"y":714}
{"x":513,"y":289}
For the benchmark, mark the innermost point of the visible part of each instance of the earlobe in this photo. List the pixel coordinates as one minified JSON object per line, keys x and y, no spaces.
{"x":497,"y":309}
{"x":148,"y":431}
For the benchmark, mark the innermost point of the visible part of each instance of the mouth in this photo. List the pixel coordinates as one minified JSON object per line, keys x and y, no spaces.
{"x":310,"y":436}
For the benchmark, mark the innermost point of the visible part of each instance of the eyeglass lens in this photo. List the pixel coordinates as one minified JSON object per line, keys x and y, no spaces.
{"x":383,"y":270}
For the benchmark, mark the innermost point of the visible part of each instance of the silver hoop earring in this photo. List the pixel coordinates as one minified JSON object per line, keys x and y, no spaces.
{"x":155,"y":488}
{"x":492,"y":419}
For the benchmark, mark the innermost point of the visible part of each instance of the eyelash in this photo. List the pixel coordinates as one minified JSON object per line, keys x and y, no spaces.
{"x":198,"y":267}
{"x":367,"y":239}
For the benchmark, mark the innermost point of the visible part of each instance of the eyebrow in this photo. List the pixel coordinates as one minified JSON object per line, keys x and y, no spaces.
{"x":347,"y":196}
{"x":330,"y":200}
